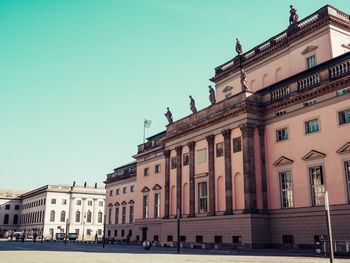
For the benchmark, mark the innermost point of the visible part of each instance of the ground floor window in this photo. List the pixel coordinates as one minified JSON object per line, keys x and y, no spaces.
{"x":288,"y":239}
{"x":347,"y":174}
{"x":286,"y":189}
{"x":199,"y":239}
{"x":218,"y":239}
{"x":236,"y":239}
{"x":202,"y":197}
{"x":170,"y":238}
{"x":317,"y":185}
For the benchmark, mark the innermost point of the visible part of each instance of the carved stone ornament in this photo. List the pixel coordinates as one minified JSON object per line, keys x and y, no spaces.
{"x":244,"y":81}
{"x":247,"y":129}
{"x":193,"y":105}
{"x":169,"y":116}
{"x":239,"y":49}
{"x":293,"y":18}
{"x":212,"y":98}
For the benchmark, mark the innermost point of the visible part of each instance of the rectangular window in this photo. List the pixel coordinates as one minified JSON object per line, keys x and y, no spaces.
{"x":311,"y":61}
{"x":111,"y":193}
{"x":288,"y":239}
{"x":186,"y":159}
{"x":199,"y":239}
{"x":146,"y":171}
{"x":109,"y":233}
{"x":317,"y":185}
{"x":173,"y":162}
{"x":123,"y":232}
{"x":156,"y":205}
{"x":157,"y":168}
{"x":109,"y":216}
{"x":218,"y":239}
{"x":116,"y":217}
{"x":347,"y":174}
{"x":115,"y":233}
{"x":156,"y":238}
{"x":131,"y":214}
{"x":202,"y":197}
{"x":310,"y":102}
{"x":279,"y":113}
{"x":124,"y":190}
{"x":312,"y":126}
{"x":64,"y":201}
{"x":100,"y":203}
{"x":90,"y":203}
{"x":78,"y":202}
{"x":132,"y":188}
{"x":286,"y":189}
{"x":53,"y":201}
{"x":169,"y":238}
{"x":16,"y":207}
{"x":7,"y":207}
{"x":219,"y":149}
{"x":344,"y":117}
{"x":124,"y":215}
{"x":88,"y":232}
{"x":236,"y":142}
{"x":182,"y":238}
{"x":201,"y":156}
{"x":282,"y":134}
{"x":117,"y":191}
{"x":343,"y":91}
{"x":236,"y":239}
{"x":99,"y":232}
{"x":145,"y":206}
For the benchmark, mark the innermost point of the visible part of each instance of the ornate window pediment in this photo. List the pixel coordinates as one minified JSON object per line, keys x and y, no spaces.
{"x":283,"y":161}
{"x":123,"y":203}
{"x":145,"y":189}
{"x":110,"y":205}
{"x":156,"y":187}
{"x":117,"y":204}
{"x":313,"y":154}
{"x":131,"y":202}
{"x":308,"y":49}
{"x":345,"y":148}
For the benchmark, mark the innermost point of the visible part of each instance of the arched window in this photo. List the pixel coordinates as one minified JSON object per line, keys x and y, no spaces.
{"x":63,"y":216}
{"x":77,"y":217}
{"x":100,"y":217}
{"x":6,"y":219}
{"x":52,"y":216}
{"x":15,"y":220}
{"x":88,"y":217}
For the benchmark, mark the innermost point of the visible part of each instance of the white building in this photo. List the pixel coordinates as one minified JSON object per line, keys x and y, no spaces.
{"x":53,"y":209}
{"x":9,"y":211}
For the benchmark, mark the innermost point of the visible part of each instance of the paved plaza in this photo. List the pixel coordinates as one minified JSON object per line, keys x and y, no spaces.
{"x":13,"y":252}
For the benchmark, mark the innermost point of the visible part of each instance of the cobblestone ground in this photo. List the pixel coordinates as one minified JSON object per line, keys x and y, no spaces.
{"x":13,"y":252}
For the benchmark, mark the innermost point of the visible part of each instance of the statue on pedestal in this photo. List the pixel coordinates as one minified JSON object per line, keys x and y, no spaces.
{"x":169,"y":116}
{"x":293,"y":18}
{"x":239,"y":49}
{"x":244,"y":81}
{"x":212,"y":95}
{"x":192,"y":105}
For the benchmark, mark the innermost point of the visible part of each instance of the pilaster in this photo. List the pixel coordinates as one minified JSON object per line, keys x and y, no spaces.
{"x":166,"y":183}
{"x":191,"y":146}
{"x":178,"y":150}
{"x":228,"y":170}
{"x":263,"y":165}
{"x":211,"y":173}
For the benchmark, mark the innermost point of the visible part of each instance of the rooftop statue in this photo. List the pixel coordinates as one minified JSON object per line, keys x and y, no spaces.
{"x":192,"y":105}
{"x":212,"y":95}
{"x":244,"y":81}
{"x":293,"y":18}
{"x":239,"y":47}
{"x":169,"y":116}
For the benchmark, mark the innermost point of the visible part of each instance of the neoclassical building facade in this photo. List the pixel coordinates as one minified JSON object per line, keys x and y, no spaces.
{"x":251,"y":169}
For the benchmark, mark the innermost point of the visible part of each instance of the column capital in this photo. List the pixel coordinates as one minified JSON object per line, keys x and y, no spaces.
{"x":191,"y":145}
{"x":210,"y":139}
{"x":166,"y":153}
{"x":226,"y":133}
{"x":247,"y":129}
{"x":178,"y":150}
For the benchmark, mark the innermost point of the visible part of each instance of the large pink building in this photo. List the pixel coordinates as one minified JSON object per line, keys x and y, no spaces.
{"x":252,"y":168}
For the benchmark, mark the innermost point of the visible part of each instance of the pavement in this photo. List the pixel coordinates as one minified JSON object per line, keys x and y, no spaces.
{"x":18,"y":252}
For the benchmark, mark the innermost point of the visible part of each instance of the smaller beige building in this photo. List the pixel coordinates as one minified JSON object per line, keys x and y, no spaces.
{"x":9,"y":211}
{"x":54,"y":209}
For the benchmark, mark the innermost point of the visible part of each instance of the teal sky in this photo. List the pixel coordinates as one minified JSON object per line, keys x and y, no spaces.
{"x":77,"y":77}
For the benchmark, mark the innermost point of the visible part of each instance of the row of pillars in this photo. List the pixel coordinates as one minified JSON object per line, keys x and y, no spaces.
{"x":250,"y":202}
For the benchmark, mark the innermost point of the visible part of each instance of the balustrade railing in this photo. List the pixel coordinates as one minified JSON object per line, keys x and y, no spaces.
{"x":309,"y":81}
{"x":280,"y":93}
{"x":339,"y":69}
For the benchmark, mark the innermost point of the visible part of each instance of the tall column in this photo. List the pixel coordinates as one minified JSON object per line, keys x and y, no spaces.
{"x":228,"y":170}
{"x":166,"y":183}
{"x":247,"y":130}
{"x":94,"y":211}
{"x":211,"y":172}
{"x":263,"y":165}
{"x":191,"y":174}
{"x":179,"y":179}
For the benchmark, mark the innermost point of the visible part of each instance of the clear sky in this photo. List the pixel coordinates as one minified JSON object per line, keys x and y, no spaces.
{"x":77,"y":77}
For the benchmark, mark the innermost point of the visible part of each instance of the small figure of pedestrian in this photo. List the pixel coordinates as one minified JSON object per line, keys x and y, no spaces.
{"x":11,"y":235}
{"x":96,"y":238}
{"x":34,"y":237}
{"x":22,"y":237}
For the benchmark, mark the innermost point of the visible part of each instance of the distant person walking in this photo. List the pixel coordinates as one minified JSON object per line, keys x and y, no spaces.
{"x":22,"y":237}
{"x":34,"y":237}
{"x":96,"y":239}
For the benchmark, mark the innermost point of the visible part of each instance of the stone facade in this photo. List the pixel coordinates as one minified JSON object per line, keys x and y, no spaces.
{"x":251,"y":169}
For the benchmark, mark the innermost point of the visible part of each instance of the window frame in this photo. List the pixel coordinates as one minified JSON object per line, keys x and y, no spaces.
{"x":157,"y":170}
{"x":312,"y":186}
{"x":157,"y":200}
{"x":312,"y":55}
{"x":338,"y":117}
{"x":202,"y":205}
{"x":146,"y":171}
{"x":280,"y":173}
{"x":317,"y":118}
{"x":277,"y":135}
{"x":145,"y":206}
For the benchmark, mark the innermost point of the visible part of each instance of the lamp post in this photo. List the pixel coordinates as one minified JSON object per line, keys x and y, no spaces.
{"x":178,"y":230}
{"x":329,"y":226}
{"x":104,"y":231}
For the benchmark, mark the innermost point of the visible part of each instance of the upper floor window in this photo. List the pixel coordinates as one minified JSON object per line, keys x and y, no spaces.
{"x":132,"y":188}
{"x":64,"y":201}
{"x":236,"y":142}
{"x":124,"y":215}
{"x":116,"y":217}
{"x":219,"y":149}
{"x":53,"y":201}
{"x":344,"y":117}
{"x":312,"y":126}
{"x":7,"y":207}
{"x":317,"y":185}
{"x":100,"y":203}
{"x":124,"y":190}
{"x":347,"y":175}
{"x":156,"y":205}
{"x":16,"y":207}
{"x":146,"y":171}
{"x":145,"y":206}
{"x":173,"y":162}
{"x":201,"y":155}
{"x":157,"y":168}
{"x":77,"y":217}
{"x":310,"y":102}
{"x":131,"y":214}
{"x":202,"y":197}
{"x":282,"y":134}
{"x":110,"y":192}
{"x":343,"y":91}
{"x":281,"y":112}
{"x":63,"y":216}
{"x":89,"y":203}
{"x":88,"y":217}
{"x":186,"y":159}
{"x":311,"y":61}
{"x":99,"y":218}
{"x":78,"y":202}
{"x":286,"y":189}
{"x":117,"y":191}
{"x":52,"y":216}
